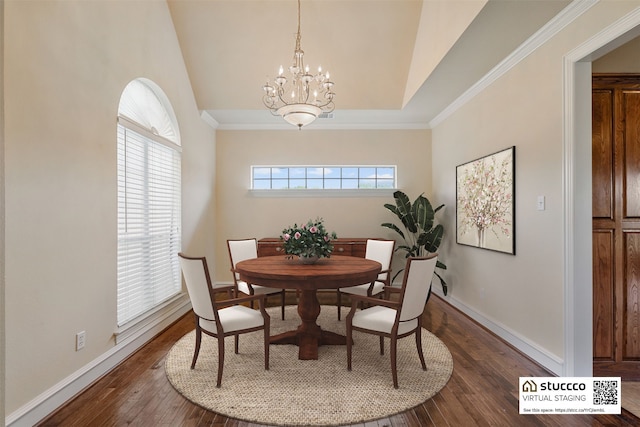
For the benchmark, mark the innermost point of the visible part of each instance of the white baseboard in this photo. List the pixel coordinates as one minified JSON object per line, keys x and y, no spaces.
{"x":547,"y":360}
{"x":47,"y":402}
{"x":53,"y":398}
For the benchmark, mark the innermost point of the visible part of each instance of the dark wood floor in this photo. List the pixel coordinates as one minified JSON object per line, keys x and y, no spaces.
{"x":482,"y":391}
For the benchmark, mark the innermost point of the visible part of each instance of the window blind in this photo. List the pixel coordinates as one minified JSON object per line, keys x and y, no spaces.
{"x":149,"y":235}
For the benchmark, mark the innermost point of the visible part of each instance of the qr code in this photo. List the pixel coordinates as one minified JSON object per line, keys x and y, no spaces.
{"x":605,"y":392}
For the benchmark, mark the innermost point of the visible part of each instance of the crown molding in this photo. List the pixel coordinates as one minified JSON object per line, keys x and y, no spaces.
{"x":569,"y":14}
{"x":340,"y":126}
{"x":208,"y":119}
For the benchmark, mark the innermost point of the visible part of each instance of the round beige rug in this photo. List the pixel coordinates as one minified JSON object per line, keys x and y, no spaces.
{"x":308,"y":392}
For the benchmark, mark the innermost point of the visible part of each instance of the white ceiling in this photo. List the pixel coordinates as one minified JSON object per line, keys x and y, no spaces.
{"x":395,"y":63}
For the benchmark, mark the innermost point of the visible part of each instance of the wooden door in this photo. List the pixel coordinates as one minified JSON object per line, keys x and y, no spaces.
{"x":616,"y":226}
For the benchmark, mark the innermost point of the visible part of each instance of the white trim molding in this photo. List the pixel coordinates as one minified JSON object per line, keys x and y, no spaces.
{"x":208,"y":119}
{"x":576,"y":188}
{"x":551,"y":362}
{"x":50,"y":400}
{"x":550,"y":29}
{"x":370,"y":192}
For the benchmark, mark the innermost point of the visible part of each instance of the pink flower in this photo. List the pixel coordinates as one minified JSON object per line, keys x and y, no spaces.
{"x":286,"y":237}
{"x":313,"y":229}
{"x":297,"y":235}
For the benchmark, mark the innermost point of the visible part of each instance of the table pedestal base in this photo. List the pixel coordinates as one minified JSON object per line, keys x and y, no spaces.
{"x":309,"y":336}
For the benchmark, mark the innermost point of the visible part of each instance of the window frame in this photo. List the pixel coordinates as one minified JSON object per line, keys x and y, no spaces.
{"x":324,"y":191}
{"x":158,"y":165}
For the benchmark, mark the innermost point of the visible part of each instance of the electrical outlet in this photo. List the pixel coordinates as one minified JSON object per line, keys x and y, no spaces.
{"x":80,"y":339}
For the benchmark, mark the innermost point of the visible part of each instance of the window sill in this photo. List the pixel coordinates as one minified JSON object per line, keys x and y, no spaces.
{"x":374,"y":192}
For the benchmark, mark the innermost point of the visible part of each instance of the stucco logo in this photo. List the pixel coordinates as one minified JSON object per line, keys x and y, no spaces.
{"x":529,"y":387}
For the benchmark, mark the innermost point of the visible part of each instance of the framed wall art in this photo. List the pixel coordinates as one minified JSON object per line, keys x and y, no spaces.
{"x":485,"y":202}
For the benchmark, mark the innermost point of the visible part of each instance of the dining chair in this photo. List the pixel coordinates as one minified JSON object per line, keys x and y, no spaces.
{"x":240,"y":250}
{"x":221,"y":318}
{"x":395,"y":319}
{"x":377,"y":250}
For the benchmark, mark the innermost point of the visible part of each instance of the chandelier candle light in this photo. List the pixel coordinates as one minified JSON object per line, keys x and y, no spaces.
{"x":303,"y":97}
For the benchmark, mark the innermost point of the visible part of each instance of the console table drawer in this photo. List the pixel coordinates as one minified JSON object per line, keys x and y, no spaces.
{"x":270,"y":246}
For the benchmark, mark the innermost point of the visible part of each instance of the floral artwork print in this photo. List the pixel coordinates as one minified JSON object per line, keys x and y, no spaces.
{"x":485,"y":202}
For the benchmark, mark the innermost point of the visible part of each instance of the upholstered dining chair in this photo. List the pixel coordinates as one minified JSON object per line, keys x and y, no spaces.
{"x":242,"y":249}
{"x":377,"y":250}
{"x":221,"y":318}
{"x":395,"y":319}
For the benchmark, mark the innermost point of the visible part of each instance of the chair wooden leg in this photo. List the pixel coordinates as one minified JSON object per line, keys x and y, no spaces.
{"x":220,"y":360}
{"x":349,"y":343}
{"x":282,"y":298}
{"x":339,"y":303}
{"x":196,"y":351}
{"x":419,"y":346}
{"x":394,"y":367}
{"x":381,"y":344}
{"x":266,"y":347}
{"x":236,"y":340}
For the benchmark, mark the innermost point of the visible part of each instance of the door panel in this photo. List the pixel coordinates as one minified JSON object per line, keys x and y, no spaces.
{"x":632,"y":297}
{"x":602,"y":153}
{"x":603,"y":302}
{"x":631,"y":102}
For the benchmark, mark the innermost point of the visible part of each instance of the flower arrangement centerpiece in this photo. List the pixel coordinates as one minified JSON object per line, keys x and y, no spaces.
{"x":309,"y":241}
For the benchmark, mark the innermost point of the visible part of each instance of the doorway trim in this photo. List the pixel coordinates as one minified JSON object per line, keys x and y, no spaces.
{"x":576,"y":188}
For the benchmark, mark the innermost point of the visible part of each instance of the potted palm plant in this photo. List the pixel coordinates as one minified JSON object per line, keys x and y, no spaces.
{"x":421,"y":235}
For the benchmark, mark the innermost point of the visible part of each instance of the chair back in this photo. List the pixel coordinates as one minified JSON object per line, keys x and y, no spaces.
{"x":415,"y":286}
{"x":381,"y":251}
{"x":242,"y":249}
{"x":198,"y":281}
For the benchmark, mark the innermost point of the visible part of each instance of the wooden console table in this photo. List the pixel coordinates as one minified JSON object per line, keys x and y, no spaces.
{"x":346,"y":246}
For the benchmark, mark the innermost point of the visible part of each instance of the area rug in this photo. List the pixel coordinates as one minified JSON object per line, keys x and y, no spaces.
{"x":308,"y":392}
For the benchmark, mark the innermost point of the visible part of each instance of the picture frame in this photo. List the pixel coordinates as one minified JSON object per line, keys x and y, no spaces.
{"x":485,"y":202}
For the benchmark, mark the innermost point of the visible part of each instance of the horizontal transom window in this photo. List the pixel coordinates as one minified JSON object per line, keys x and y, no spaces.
{"x":323,"y":177}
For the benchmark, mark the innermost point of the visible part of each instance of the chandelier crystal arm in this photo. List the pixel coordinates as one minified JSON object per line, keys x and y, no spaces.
{"x":302,"y":97}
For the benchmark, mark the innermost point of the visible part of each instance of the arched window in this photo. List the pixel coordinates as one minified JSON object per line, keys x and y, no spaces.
{"x":149,"y":194}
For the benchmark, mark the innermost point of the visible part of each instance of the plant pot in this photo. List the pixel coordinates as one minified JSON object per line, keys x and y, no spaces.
{"x":308,"y":259}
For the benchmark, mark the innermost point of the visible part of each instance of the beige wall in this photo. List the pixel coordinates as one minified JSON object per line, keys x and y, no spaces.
{"x":441,"y":24}
{"x":523,"y":294}
{"x":2,"y":240}
{"x":241,"y":214}
{"x":66,"y":64}
{"x":625,"y":59}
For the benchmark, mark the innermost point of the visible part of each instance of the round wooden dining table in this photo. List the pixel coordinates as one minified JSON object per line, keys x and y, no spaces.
{"x":327,"y":273}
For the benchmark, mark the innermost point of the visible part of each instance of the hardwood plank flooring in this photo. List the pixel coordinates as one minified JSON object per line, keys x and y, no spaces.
{"x":482,"y":391}
{"x":631,"y":396}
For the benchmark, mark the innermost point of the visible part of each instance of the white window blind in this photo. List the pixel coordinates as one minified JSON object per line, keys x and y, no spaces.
{"x":149,"y":235}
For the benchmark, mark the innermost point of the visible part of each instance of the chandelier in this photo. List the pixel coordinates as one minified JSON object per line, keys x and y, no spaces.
{"x":302,"y":97}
